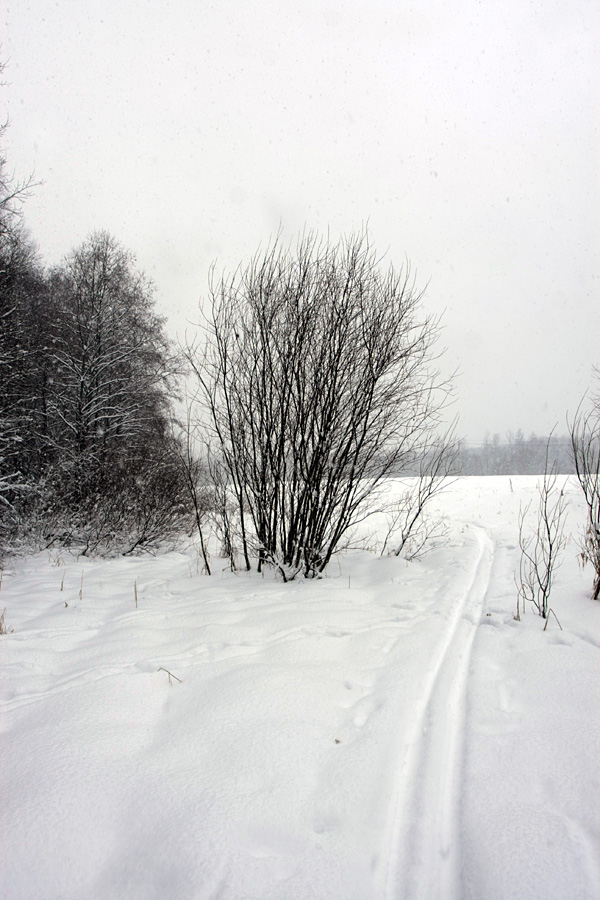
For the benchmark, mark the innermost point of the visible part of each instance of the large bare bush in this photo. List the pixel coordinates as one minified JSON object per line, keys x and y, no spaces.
{"x":316,"y":377}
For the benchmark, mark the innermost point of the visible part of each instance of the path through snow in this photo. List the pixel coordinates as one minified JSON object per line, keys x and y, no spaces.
{"x":424,"y":856}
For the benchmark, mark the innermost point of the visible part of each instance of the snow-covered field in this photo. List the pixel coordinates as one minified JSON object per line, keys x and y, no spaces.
{"x":389,"y":732}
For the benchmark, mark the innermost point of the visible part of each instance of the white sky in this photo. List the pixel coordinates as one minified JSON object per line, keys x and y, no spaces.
{"x":465,"y":133}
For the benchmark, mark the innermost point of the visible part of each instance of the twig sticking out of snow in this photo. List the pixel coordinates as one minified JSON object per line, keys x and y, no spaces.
{"x":3,"y":628}
{"x":548,"y":619}
{"x":170,"y":674}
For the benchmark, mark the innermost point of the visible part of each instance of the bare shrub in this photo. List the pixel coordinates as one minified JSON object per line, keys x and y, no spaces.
{"x":315,"y":371}
{"x":411,"y":529}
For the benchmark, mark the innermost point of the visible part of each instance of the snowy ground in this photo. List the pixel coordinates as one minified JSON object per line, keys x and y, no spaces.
{"x":387,"y":733}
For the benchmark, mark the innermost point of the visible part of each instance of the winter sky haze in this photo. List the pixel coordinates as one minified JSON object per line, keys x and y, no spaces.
{"x":466,"y":135}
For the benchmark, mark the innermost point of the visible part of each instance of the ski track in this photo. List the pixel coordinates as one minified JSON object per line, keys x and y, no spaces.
{"x":423,"y":844}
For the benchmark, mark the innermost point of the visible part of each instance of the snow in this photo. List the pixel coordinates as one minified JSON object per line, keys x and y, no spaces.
{"x":389,"y":732}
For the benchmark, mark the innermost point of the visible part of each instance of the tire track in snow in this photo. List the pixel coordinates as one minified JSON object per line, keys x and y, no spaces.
{"x":423,"y":847}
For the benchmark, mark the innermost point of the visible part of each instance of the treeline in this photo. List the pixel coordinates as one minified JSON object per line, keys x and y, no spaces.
{"x":516,"y":455}
{"x":88,"y":457}
{"x":87,"y":377}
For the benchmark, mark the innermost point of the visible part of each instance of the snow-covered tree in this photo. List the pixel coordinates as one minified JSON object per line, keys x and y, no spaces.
{"x":112,"y":361}
{"x":89,"y":376}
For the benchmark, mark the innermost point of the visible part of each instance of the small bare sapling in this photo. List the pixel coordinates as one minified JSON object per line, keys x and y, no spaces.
{"x":540,"y":544}
{"x":585,"y":444}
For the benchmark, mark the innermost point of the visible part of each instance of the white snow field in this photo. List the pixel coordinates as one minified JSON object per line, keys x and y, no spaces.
{"x":388,"y":732}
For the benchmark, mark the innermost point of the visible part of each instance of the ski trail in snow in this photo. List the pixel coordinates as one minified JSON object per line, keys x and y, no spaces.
{"x":423,"y":847}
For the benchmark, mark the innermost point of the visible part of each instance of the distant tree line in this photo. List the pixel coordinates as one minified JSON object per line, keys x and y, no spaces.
{"x":516,"y":455}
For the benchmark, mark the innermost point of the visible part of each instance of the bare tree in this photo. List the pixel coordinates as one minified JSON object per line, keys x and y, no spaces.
{"x":113,"y":362}
{"x":315,"y":374}
{"x":541,"y":545}
{"x":585,"y":443}
{"x":12,"y":193}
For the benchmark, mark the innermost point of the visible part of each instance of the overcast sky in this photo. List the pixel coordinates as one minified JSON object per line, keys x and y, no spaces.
{"x":466,"y":133}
